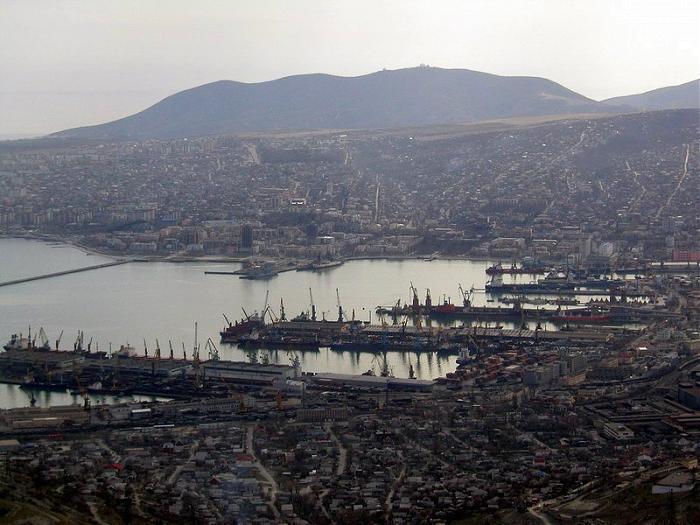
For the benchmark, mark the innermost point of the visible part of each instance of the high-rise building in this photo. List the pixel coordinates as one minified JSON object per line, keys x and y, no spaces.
{"x":247,"y":236}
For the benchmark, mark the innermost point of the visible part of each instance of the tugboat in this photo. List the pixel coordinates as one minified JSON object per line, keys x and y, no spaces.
{"x":33,"y":383}
{"x":465,"y":354}
{"x":464,"y":357}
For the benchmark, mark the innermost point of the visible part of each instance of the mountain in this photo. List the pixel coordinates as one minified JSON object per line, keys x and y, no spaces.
{"x":385,"y":99}
{"x":673,"y":97}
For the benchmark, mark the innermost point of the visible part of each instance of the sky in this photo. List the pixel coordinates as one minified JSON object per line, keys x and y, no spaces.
{"x":72,"y":63}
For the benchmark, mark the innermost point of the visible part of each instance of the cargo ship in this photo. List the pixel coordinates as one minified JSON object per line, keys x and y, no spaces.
{"x":246,"y":326}
{"x":17,"y":342}
{"x":388,"y":344}
{"x":582,"y":317}
{"x":272,"y":341}
{"x":499,"y":269}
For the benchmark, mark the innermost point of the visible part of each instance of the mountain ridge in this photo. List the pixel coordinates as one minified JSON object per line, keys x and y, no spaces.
{"x":680,"y":96}
{"x":380,"y":100}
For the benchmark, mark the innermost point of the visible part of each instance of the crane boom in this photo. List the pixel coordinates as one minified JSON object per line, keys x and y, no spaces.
{"x":340,"y":307}
{"x":313,"y":306}
{"x":267,"y":297}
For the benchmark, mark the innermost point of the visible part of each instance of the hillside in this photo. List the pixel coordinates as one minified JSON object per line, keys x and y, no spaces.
{"x":386,"y":99}
{"x":673,"y":97}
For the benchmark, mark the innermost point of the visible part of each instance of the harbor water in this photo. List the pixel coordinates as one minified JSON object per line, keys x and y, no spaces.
{"x":162,"y":300}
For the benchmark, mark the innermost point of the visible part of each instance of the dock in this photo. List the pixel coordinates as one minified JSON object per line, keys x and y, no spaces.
{"x":64,"y":272}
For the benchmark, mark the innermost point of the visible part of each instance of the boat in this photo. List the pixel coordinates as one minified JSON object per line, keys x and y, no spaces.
{"x":581,"y":318}
{"x":125,"y":351}
{"x":321,"y":265}
{"x":565,"y":301}
{"x":234,"y":331}
{"x":260,"y":275}
{"x":445,"y":308}
{"x":464,"y":357}
{"x":525,"y":300}
{"x":41,"y":385}
{"x":543,"y":287}
{"x":259,"y":271}
{"x":272,"y":341}
{"x":498,"y":269}
{"x":17,"y":342}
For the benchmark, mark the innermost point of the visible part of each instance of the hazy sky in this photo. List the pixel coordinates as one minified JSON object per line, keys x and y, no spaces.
{"x":70,"y":63}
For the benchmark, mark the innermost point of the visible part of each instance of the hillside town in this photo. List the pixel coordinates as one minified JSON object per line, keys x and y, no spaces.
{"x":566,"y":191}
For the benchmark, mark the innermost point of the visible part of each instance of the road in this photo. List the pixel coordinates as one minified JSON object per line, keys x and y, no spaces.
{"x":250,"y":450}
{"x":638,"y":198}
{"x":115,"y":458}
{"x":342,"y":451}
{"x":253,"y":151}
{"x":390,"y":496}
{"x":176,"y":473}
{"x":680,"y":182}
{"x":376,"y":201}
{"x":542,"y":517}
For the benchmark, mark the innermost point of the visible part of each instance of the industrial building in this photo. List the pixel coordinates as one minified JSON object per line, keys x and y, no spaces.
{"x":241,"y":372}
{"x":139,"y":366}
{"x":17,"y":359}
{"x":617,"y":431}
{"x":36,"y":418}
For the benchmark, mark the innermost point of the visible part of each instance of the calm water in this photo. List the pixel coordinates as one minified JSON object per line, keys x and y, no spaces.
{"x":12,"y":396}
{"x":163,"y":300}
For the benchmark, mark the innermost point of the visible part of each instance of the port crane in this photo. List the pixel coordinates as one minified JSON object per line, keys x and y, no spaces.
{"x":415,"y":302}
{"x":145,"y":348}
{"x":466,"y":296}
{"x":273,"y":315}
{"x":340,"y":307}
{"x":78,"y":345}
{"x":266,"y":306}
{"x":157,"y":350}
{"x":58,"y":341}
{"x":212,"y":350}
{"x":81,"y":389}
{"x":195,"y":350}
{"x":313,"y":306}
{"x":170,"y":344}
{"x":42,"y":339}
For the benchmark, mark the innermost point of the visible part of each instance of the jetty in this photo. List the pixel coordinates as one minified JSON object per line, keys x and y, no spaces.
{"x":64,"y":272}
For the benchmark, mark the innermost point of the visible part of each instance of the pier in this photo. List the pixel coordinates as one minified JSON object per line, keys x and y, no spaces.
{"x":64,"y":272}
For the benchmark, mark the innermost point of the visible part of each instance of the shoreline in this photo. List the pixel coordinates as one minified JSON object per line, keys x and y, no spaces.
{"x":220,"y":259}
